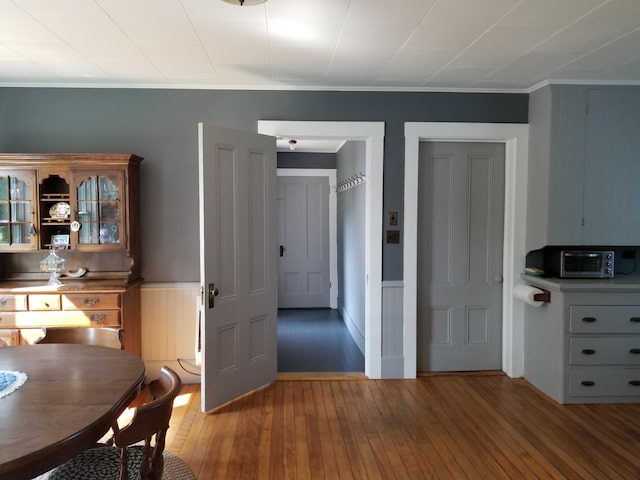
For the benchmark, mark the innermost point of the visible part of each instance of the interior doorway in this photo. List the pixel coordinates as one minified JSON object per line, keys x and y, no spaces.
{"x":515,"y":138}
{"x":314,"y":336}
{"x":372,"y":133}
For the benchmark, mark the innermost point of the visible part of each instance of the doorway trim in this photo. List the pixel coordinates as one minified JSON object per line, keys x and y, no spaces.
{"x":333,"y":221}
{"x":372,"y":133}
{"x":516,"y":140}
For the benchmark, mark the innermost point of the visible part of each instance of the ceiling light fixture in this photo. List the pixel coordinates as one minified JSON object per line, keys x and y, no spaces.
{"x":292,"y":144}
{"x":242,"y":3}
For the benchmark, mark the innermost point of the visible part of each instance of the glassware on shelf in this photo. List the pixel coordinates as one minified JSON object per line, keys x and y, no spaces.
{"x":54,"y":265}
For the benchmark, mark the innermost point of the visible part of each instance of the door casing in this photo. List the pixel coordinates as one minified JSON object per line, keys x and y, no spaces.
{"x":372,"y":133}
{"x":516,"y":140}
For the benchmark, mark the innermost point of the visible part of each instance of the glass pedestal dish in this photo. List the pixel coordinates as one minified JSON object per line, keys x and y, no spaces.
{"x":54,"y":265}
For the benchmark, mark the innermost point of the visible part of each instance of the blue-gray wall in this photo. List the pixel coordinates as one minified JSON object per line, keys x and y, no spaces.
{"x":351,"y":241}
{"x":161,"y":125}
{"x":306,"y":160}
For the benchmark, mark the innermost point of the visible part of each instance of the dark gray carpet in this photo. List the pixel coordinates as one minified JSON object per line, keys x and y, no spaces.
{"x":316,"y":340}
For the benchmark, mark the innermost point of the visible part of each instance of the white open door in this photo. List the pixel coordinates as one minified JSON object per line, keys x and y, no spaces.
{"x":238,"y":254}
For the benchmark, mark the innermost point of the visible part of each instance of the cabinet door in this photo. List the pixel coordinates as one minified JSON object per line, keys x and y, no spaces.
{"x":100,"y":209}
{"x":612,"y":168}
{"x":17,"y":203}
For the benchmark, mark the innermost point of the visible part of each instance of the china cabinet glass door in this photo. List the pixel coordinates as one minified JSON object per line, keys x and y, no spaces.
{"x":16,"y":211}
{"x":99,"y":210}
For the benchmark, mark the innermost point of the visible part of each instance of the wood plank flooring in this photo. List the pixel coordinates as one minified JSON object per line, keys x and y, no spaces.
{"x":436,"y":427}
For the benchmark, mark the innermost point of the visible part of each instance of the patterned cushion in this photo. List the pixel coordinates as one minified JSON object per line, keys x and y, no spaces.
{"x":103,"y":463}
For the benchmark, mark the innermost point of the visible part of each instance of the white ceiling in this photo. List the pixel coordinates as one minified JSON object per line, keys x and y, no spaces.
{"x":505,"y":45}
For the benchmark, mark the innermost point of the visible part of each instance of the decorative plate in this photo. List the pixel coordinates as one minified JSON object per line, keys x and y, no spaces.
{"x":60,"y":210}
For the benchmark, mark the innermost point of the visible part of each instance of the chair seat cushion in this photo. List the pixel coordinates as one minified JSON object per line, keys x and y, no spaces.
{"x":103,"y":463}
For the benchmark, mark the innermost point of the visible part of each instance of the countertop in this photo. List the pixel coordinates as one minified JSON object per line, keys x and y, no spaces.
{"x":84,"y":286}
{"x":619,"y":283}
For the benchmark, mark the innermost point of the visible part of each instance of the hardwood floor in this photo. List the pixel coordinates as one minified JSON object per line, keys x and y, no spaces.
{"x":316,"y":340}
{"x":436,"y":427}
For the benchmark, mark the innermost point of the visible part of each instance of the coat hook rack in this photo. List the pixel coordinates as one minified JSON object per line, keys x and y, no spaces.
{"x":350,"y":182}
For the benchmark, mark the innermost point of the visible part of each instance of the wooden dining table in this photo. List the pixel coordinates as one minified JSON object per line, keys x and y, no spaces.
{"x":72,"y":395}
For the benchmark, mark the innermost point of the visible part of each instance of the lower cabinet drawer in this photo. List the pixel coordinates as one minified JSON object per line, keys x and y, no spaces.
{"x":95,"y":318}
{"x":604,"y":350}
{"x":13,"y":302}
{"x":605,"y":382}
{"x":80,"y":301}
{"x":44,"y":302}
{"x":604,"y":319}
{"x":8,"y":319}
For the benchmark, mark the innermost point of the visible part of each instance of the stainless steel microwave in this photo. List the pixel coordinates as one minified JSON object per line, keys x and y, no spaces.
{"x":586,"y":263}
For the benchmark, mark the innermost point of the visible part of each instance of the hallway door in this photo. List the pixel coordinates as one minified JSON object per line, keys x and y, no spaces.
{"x":303,"y":262}
{"x":237,"y":180}
{"x":460,"y":242}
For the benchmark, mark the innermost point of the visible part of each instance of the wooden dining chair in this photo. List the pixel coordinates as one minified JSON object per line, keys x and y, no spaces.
{"x":101,"y":336}
{"x":127,"y":458}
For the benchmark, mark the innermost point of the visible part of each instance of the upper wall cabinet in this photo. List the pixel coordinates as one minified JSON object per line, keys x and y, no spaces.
{"x":612,"y":168}
{"x":17,"y":209}
{"x":583,"y":167}
{"x":76,"y":202}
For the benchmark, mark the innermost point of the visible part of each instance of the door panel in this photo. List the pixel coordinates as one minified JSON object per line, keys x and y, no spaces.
{"x":303,"y":265}
{"x":460,"y":233}
{"x":238,"y":263}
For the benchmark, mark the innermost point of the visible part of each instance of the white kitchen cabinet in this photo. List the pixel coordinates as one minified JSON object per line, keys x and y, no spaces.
{"x":584,"y":165}
{"x":584,"y":345}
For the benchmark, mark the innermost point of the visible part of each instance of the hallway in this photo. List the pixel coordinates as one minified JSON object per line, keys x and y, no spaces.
{"x":316,"y":340}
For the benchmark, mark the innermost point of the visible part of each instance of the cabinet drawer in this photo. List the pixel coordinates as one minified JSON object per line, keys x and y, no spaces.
{"x":604,"y":319}
{"x":44,"y":302}
{"x":94,"y":318}
{"x":13,"y":302}
{"x":8,"y":319}
{"x":605,"y":382}
{"x":97,"y":318}
{"x":604,"y":350}
{"x":80,"y":301}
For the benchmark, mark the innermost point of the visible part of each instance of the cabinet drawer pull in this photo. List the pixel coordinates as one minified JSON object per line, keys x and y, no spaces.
{"x":635,"y":351}
{"x":635,"y":383}
{"x":588,"y":351}
{"x":90,"y":301}
{"x":589,"y":319}
{"x":588,"y":383}
{"x":96,"y":317}
{"x":635,"y":319}
{"x":3,"y":302}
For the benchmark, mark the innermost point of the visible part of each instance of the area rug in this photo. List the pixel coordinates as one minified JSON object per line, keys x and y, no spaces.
{"x":174,"y":469}
{"x":10,"y":382}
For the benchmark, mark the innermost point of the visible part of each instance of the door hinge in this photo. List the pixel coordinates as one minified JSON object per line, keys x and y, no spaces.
{"x":583,"y":221}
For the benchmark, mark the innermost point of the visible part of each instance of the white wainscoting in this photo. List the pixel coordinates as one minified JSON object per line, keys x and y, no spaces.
{"x":169,"y":315}
{"x":392,"y":330}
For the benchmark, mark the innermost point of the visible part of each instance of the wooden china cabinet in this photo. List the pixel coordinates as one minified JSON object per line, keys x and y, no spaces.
{"x":83,"y":207}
